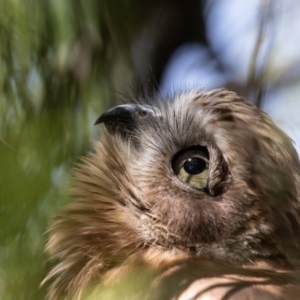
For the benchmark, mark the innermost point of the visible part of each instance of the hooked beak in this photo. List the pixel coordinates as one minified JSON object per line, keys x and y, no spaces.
{"x":125,"y":118}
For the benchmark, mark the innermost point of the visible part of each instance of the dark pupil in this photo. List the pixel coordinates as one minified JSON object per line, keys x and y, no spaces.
{"x":194,"y":165}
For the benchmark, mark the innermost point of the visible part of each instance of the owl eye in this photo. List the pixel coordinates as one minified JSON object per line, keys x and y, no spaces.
{"x":191,"y":166}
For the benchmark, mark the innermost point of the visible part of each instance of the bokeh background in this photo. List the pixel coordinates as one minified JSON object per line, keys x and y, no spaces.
{"x":62,"y":63}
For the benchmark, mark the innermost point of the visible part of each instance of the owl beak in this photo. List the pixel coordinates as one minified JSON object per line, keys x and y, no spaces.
{"x":125,"y":117}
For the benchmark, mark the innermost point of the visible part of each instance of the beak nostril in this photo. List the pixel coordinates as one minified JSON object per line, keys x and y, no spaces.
{"x":142,"y":113}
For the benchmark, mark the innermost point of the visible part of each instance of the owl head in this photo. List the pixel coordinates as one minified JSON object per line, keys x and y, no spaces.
{"x":202,"y":174}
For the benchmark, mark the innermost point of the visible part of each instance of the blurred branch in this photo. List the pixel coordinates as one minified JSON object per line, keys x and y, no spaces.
{"x":256,"y":84}
{"x":10,"y":148}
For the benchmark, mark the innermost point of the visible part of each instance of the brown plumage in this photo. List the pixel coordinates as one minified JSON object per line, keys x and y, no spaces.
{"x":198,"y":190}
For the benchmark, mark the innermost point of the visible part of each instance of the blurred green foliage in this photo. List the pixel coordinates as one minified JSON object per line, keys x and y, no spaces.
{"x":59,"y":63}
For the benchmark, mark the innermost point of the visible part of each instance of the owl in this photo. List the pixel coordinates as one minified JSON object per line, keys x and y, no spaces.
{"x":196,"y":195}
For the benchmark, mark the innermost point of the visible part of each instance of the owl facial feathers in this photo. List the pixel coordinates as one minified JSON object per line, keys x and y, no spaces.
{"x":204,"y":174}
